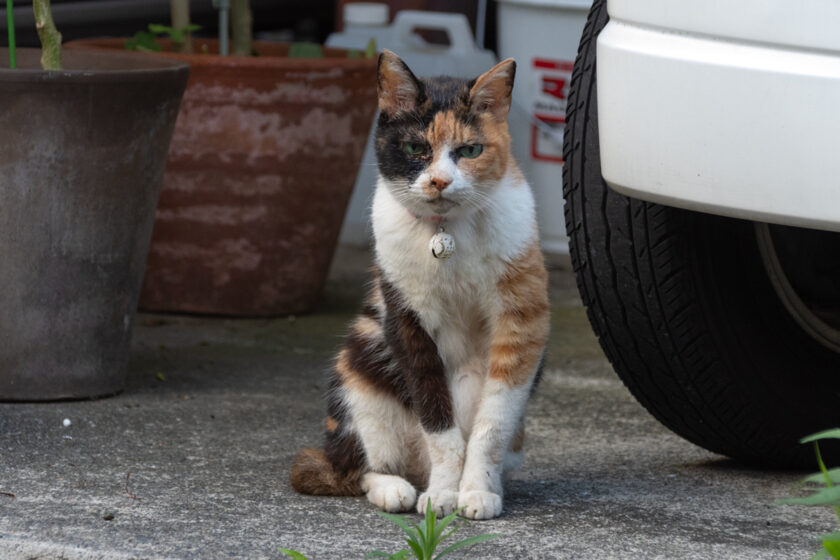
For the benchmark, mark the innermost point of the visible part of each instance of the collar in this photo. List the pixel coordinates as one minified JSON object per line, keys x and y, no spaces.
{"x":427,"y":219}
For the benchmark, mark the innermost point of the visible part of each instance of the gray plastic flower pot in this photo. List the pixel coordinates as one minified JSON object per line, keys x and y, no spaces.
{"x":82,"y":154}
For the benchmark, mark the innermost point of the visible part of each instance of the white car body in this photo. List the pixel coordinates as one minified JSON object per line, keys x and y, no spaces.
{"x":724,"y":106}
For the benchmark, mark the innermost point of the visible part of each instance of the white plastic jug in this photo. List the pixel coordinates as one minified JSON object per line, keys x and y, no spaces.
{"x":460,"y":58}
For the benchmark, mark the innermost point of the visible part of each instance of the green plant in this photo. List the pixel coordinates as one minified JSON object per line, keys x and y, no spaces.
{"x":314,"y":50}
{"x":10,"y":25}
{"x":370,"y":50}
{"x":179,"y":18}
{"x":293,"y":553}
{"x":423,"y":538}
{"x":146,"y":40}
{"x":48,"y":34}
{"x":305,"y":50}
{"x":822,"y":496}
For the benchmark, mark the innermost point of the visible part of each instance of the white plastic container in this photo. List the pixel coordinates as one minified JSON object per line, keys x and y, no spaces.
{"x":363,"y":21}
{"x":543,"y":37}
{"x":461,"y":58}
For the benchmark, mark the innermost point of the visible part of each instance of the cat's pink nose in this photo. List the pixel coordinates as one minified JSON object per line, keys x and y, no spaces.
{"x":439,"y":183}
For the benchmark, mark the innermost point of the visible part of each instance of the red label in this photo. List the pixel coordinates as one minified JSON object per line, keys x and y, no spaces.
{"x":554,"y":86}
{"x":550,"y":88}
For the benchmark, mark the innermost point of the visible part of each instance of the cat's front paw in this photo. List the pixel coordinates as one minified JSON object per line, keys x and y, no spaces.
{"x":393,"y":495}
{"x":478,"y":504}
{"x":444,"y":502}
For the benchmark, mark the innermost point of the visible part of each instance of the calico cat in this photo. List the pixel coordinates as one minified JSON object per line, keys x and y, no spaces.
{"x":429,"y":390}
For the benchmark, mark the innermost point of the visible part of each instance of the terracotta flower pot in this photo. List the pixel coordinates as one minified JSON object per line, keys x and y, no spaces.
{"x":262,"y":165}
{"x":82,"y":153}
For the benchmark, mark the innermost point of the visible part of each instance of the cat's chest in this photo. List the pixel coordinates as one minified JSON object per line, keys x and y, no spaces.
{"x":463,"y":289}
{"x":455,"y":299}
{"x":459,"y":283}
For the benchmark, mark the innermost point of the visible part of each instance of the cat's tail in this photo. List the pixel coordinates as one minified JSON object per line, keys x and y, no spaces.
{"x":312,"y":473}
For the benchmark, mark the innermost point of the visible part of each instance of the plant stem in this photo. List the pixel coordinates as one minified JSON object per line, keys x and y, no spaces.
{"x":180,"y":15}
{"x":241,"y":22}
{"x":49,"y":35}
{"x":10,"y":19}
{"x":824,"y":470}
{"x":224,"y":33}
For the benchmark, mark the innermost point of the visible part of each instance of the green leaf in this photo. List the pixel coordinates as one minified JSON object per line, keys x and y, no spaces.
{"x":353,"y":53}
{"x":370,"y":49}
{"x":835,"y":536}
{"x":293,"y":553}
{"x":416,"y":548}
{"x":430,"y":543}
{"x":827,"y":434}
{"x":819,"y":478}
{"x":444,"y":523}
{"x":305,"y":50}
{"x":833,"y":548}
{"x":824,"y":471}
{"x":821,"y":554}
{"x":160,"y":29}
{"x":449,"y":534}
{"x":177,"y":35}
{"x":821,"y":464}
{"x":142,"y":41}
{"x":467,"y":542}
{"x":400,"y":521}
{"x":400,"y":555}
{"x":824,"y":497}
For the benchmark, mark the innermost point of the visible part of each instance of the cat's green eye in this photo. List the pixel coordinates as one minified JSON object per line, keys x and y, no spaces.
{"x":471,"y":151}
{"x":414,"y":148}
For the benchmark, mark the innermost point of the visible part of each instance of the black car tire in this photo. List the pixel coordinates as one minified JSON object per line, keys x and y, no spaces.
{"x":685,"y":309}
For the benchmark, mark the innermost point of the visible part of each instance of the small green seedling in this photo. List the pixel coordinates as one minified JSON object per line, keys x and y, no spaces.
{"x":822,"y":496}
{"x":423,"y":538}
{"x":146,"y":40}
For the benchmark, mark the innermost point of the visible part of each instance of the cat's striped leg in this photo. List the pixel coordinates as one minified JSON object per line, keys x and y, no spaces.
{"x":377,"y":405}
{"x":519,"y":338}
{"x":425,"y":377}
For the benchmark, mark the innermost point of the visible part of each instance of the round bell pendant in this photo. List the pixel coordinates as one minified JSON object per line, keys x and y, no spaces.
{"x":442,"y":245}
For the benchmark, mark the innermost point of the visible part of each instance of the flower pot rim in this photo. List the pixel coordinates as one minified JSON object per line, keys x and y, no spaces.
{"x":89,"y":67}
{"x":338,"y":58}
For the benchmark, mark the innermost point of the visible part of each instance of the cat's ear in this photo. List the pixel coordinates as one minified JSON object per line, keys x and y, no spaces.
{"x":491,"y":91}
{"x":399,"y":89}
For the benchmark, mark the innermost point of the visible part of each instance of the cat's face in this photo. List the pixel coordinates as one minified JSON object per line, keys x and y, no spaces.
{"x":442,"y":144}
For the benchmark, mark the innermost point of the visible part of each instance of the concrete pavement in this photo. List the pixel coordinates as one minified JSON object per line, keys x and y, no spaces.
{"x":215,"y":410}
